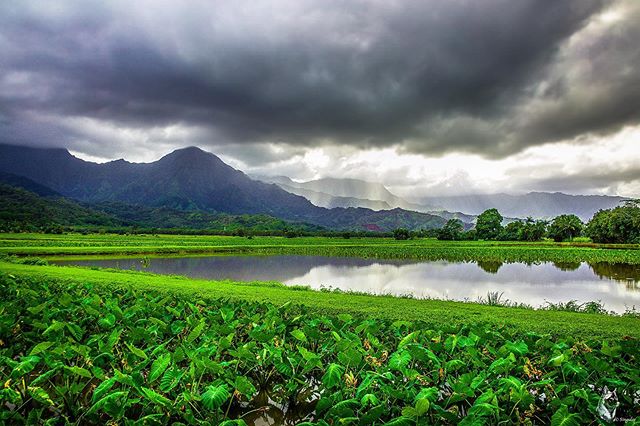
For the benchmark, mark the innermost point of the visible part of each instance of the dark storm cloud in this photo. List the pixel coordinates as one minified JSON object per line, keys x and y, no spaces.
{"x":430,"y":76}
{"x":588,"y":181}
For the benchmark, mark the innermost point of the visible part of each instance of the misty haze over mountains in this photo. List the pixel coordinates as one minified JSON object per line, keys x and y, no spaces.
{"x":330,"y":192}
{"x":192,"y":179}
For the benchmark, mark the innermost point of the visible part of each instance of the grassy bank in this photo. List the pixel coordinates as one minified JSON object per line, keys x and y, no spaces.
{"x":435,"y":313}
{"x":425,"y":249}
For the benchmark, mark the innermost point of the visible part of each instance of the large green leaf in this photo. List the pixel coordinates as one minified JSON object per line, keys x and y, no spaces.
{"x":299,"y":334}
{"x":137,"y":352}
{"x":215,"y":396}
{"x":25,"y":366}
{"x":112,"y":404}
{"x":170,"y":379}
{"x":244,"y":386}
{"x":79,"y":371}
{"x":102,"y":389}
{"x":155,"y":397}
{"x":108,"y":321}
{"x":41,"y":347}
{"x":333,"y":376}
{"x":158,"y":367}
{"x":195,"y":332}
{"x":399,"y":360}
{"x":40,"y":395}
{"x":562,"y":417}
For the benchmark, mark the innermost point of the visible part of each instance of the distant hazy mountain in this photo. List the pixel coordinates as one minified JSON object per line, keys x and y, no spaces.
{"x":534,"y":204}
{"x":324,"y":198}
{"x":189,"y":179}
{"x":333,"y":192}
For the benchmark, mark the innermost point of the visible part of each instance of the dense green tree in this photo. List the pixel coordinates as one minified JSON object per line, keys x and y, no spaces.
{"x":565,"y":227}
{"x":527,"y":230}
{"x":618,"y":225}
{"x":489,"y":225}
{"x":512,"y":231}
{"x":533,"y":230}
{"x":452,"y":230}
{"x":401,"y":234}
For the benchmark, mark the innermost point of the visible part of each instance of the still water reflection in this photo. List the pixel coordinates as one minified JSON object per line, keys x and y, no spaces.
{"x":614,"y":285}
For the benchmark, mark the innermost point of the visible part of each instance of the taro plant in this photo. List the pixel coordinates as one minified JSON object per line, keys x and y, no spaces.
{"x":84,"y":354}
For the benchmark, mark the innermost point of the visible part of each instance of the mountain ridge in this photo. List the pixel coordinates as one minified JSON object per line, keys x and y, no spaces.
{"x":189,"y":179}
{"x":536,"y":204}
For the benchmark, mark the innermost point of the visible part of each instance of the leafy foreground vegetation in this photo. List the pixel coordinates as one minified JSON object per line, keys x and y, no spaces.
{"x":93,"y":354}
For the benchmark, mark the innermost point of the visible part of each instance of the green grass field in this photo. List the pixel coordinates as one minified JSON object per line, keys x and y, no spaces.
{"x":426,"y":249}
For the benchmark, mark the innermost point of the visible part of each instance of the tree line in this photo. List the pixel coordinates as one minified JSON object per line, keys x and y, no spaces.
{"x":620,"y":225}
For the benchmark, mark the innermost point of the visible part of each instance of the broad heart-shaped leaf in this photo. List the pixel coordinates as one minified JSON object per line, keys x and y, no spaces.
{"x":344,"y":408}
{"x":562,"y":417}
{"x":451,"y":343}
{"x":557,"y":360}
{"x":40,"y":395}
{"x":408,"y":338}
{"x":108,"y":321}
{"x":111,"y":404}
{"x":155,"y":397}
{"x":518,"y":348}
{"x":372,"y":416}
{"x":454,"y":364}
{"x":137,"y":352}
{"x":244,"y":386}
{"x":158,"y":366}
{"x":399,"y":360}
{"x":102,"y":389}
{"x":422,"y":406}
{"x":609,"y":350}
{"x":41,"y":347}
{"x":483,"y":409}
{"x":215,"y":396}
{"x":323,"y":405}
{"x":79,"y":371}
{"x":45,"y":376}
{"x":503,"y":365}
{"x":569,"y":368}
{"x":369,"y":399}
{"x":299,"y":334}
{"x":196,"y":332}
{"x":423,"y":354}
{"x":428,"y":393}
{"x":114,"y":337}
{"x":25,"y":366}
{"x":333,"y":376}
{"x":170,"y":379}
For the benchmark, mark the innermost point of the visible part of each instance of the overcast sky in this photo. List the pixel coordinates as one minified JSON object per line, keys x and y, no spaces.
{"x":428,"y":97}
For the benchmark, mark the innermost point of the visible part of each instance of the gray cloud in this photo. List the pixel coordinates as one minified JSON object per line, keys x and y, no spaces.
{"x":491,"y":77}
{"x":589,"y":181}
